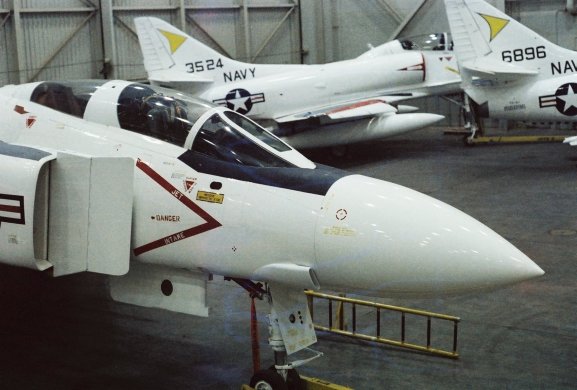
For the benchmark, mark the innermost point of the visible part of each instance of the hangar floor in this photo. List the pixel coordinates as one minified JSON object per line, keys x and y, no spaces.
{"x":66,"y":334}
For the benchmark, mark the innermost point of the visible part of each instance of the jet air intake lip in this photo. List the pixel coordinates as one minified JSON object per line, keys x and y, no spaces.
{"x":293,"y":275}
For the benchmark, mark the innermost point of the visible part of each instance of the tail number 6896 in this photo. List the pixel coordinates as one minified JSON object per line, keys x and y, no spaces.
{"x":526,"y":54}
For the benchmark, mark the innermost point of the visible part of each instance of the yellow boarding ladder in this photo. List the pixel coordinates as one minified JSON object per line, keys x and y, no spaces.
{"x":404,"y":312}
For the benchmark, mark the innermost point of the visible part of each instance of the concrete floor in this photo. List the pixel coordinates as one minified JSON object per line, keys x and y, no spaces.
{"x":66,"y":334}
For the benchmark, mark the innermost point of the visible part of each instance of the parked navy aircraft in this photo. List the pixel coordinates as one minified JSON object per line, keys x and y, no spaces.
{"x":508,"y":70}
{"x":308,"y":105}
{"x":161,"y":190}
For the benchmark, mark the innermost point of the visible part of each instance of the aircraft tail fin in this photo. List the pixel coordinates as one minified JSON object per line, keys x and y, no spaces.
{"x":172,"y":56}
{"x":155,"y":54}
{"x":490,"y":43}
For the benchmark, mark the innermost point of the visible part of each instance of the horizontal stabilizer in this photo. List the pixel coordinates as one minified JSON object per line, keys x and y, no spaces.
{"x":488,"y":66}
{"x":167,"y":76}
{"x":181,"y":81}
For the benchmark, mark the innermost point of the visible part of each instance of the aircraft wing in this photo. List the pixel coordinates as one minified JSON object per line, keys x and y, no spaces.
{"x":348,"y":110}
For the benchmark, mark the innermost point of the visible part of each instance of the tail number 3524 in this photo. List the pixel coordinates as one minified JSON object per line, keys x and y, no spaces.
{"x":201,"y":66}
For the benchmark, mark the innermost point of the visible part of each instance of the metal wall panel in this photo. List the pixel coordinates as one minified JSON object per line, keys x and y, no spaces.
{"x":55,"y":4}
{"x":255,"y":31}
{"x":8,"y":72}
{"x":220,"y":30}
{"x":351,"y":25}
{"x":274,"y":36}
{"x":46,"y":40}
{"x":59,"y":45}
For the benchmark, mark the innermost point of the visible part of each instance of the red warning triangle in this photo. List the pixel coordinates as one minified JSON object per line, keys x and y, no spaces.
{"x":30,"y":121}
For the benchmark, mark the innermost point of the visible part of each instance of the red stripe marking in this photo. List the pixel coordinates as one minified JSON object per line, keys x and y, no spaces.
{"x":424,"y":67}
{"x":12,"y":209}
{"x":210,"y":224}
{"x":419,"y":67}
{"x":356,"y":105}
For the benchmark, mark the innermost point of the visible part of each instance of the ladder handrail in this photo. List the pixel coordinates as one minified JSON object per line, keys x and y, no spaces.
{"x":379,"y":307}
{"x":383,"y":306}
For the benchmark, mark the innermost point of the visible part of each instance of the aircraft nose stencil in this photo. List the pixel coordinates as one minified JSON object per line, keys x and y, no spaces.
{"x":210,"y":222}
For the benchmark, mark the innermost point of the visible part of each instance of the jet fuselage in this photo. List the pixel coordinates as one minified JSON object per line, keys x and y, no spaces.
{"x":270,"y":215}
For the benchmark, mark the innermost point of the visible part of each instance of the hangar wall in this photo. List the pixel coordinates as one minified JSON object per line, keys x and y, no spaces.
{"x":74,"y":39}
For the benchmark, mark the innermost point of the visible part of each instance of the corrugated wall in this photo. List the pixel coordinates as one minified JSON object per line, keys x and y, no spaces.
{"x":47,"y":40}
{"x":60,"y":45}
{"x":7,"y":46}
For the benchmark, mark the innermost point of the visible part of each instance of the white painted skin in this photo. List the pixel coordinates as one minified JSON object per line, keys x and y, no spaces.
{"x":285,"y":95}
{"x":396,"y":241}
{"x":364,"y":235}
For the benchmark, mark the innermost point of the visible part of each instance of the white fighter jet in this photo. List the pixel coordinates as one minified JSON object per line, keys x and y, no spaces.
{"x":308,"y":105}
{"x":161,"y":190}
{"x":510,"y":71}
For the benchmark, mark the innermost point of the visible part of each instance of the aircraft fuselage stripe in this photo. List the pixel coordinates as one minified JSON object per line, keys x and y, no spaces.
{"x":12,"y":209}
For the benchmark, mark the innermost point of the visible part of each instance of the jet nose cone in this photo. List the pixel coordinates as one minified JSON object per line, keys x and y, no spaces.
{"x":386,"y":239}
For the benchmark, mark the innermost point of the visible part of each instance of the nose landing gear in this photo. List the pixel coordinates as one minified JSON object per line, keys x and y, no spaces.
{"x":290,"y":330}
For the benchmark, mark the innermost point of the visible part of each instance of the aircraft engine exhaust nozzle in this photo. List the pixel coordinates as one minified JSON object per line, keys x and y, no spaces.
{"x":384,"y":239}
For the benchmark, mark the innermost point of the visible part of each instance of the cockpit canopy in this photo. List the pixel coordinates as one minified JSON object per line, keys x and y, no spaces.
{"x":148,"y":111}
{"x":436,"y":41}
{"x":172,"y":117}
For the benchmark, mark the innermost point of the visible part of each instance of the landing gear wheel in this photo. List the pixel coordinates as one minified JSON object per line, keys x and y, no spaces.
{"x":268,"y":380}
{"x":468,"y":140}
{"x":294,"y":381}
